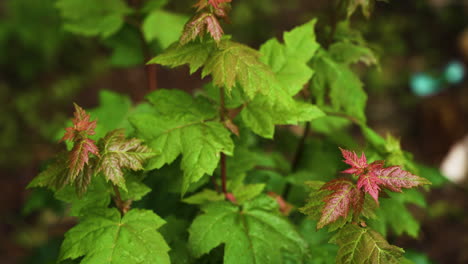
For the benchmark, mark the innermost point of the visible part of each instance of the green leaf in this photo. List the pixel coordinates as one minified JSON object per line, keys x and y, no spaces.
{"x":193,"y":54}
{"x":229,"y":63}
{"x":289,"y":60}
{"x":175,"y":232}
{"x":402,"y":222}
{"x":247,"y":192}
{"x":204,"y":197}
{"x":364,"y":246}
{"x":321,"y":252}
{"x":105,"y":237}
{"x":336,"y":81}
{"x":348,"y":53}
{"x":53,"y":177}
{"x":113,"y":112}
{"x":263,"y":113}
{"x":163,"y":26}
{"x":289,"y":63}
{"x":254,"y":234}
{"x":97,"y":196}
{"x":136,"y":189}
{"x":93,"y":18}
{"x":187,"y":126}
{"x":118,"y":153}
{"x":58,"y":175}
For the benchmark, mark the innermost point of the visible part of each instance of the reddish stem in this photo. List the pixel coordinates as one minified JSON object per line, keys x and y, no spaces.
{"x":223,"y":173}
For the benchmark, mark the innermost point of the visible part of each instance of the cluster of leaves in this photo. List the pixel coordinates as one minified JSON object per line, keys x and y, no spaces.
{"x":341,"y":203}
{"x":220,"y":133}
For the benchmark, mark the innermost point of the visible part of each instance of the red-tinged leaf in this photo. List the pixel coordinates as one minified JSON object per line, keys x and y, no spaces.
{"x":394,"y":178}
{"x":344,"y":197}
{"x":198,"y":25}
{"x":194,"y":28}
{"x":216,"y":3}
{"x":370,"y":183}
{"x":82,"y":126}
{"x":119,"y":153}
{"x":357,"y":164}
{"x":79,"y":156}
{"x":215,"y":29}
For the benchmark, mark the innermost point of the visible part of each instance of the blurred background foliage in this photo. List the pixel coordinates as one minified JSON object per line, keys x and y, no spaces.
{"x":47,"y":61}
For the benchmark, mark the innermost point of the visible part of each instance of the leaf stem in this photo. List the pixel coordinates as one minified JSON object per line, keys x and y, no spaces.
{"x":151,"y":70}
{"x":334,"y":19}
{"x":297,"y":157}
{"x":222,"y":114}
{"x":123,"y":206}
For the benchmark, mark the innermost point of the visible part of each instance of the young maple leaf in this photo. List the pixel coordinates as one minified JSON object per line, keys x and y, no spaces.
{"x":373,"y":176}
{"x":198,"y":25}
{"x":394,"y":178}
{"x":81,"y":125}
{"x":82,"y":147}
{"x":344,"y":197}
{"x":119,"y":153}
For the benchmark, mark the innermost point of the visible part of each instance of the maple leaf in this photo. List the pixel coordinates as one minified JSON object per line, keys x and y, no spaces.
{"x":119,"y":153}
{"x":394,"y":178}
{"x":79,"y":156}
{"x":104,"y":236}
{"x":344,"y":197}
{"x":183,"y":125}
{"x":373,"y":176}
{"x":370,"y":183}
{"x":83,"y":146}
{"x":364,"y":245}
{"x":201,"y":23}
{"x":82,"y":126}
{"x":250,"y":233}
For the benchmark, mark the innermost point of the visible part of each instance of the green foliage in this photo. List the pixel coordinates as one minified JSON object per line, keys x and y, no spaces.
{"x":91,"y":18}
{"x":118,"y":153}
{"x":336,"y":81}
{"x":206,"y":162}
{"x":363,"y":245}
{"x":228,"y":62}
{"x":105,"y":236}
{"x":187,"y":126}
{"x":163,"y":26}
{"x":254,"y":231}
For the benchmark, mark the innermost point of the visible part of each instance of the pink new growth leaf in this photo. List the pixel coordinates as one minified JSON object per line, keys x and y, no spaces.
{"x":343,"y":198}
{"x":370,"y":183}
{"x":394,"y":178}
{"x":357,"y":164}
{"x":81,"y":125}
{"x":373,"y":176}
{"x":83,"y":146}
{"x":215,"y":3}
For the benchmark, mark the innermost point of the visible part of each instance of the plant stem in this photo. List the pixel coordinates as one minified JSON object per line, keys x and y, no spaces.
{"x":123,"y":206}
{"x":151,"y":70}
{"x":334,"y":19}
{"x":223,"y":173}
{"x":222,"y":115}
{"x":297,"y":157}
